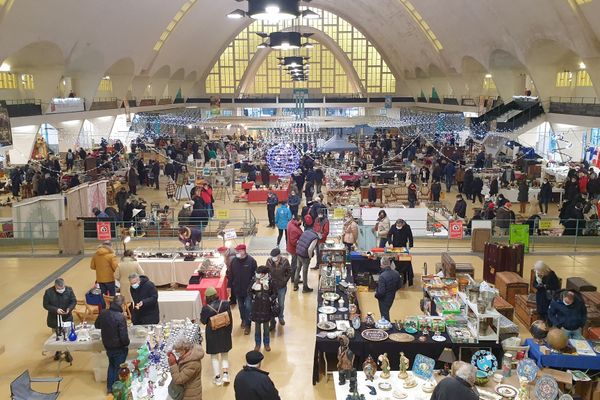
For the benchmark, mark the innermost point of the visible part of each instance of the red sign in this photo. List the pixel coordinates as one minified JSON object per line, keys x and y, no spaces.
{"x":456,"y":229}
{"x":103,"y":230}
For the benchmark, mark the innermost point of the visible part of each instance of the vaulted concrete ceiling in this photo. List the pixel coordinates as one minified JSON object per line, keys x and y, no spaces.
{"x":93,"y":35}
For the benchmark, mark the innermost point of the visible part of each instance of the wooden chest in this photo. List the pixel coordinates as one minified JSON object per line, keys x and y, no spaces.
{"x":592,"y":300}
{"x":509,"y":284}
{"x":580,"y":284}
{"x":526,"y":312}
{"x":499,"y":257}
{"x":504,"y":307}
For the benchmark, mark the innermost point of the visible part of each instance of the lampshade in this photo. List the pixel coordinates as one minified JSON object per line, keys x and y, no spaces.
{"x":285,"y":40}
{"x":447,"y":356}
{"x":274,"y":10}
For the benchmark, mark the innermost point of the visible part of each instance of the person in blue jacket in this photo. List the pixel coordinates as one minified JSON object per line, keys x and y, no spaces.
{"x":567,"y":311}
{"x":282,"y":218}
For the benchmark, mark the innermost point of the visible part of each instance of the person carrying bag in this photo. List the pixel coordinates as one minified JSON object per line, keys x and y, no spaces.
{"x":216,"y":315}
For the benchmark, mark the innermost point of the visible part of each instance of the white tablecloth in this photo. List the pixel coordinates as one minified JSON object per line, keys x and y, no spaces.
{"x":179,"y":304}
{"x":52,"y":345}
{"x":167,"y":271}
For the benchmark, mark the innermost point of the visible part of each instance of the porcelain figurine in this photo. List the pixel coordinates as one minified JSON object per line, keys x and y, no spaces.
{"x":369,"y":368}
{"x":523,"y":391}
{"x":403,"y":366}
{"x":385,"y":365}
{"x":345,"y":359}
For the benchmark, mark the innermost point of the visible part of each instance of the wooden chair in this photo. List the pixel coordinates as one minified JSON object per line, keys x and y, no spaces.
{"x":84,"y":312}
{"x":107,"y":300}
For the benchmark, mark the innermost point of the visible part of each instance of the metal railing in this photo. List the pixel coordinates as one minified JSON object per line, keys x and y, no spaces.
{"x":39,"y":237}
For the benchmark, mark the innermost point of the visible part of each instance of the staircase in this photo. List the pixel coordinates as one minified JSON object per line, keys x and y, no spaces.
{"x":509,"y":117}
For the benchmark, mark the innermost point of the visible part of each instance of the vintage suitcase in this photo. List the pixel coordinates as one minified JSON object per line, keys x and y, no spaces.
{"x":479,"y":237}
{"x":526,"y":312}
{"x":499,"y":257}
{"x":509,"y":284}
{"x":504,"y":307}
{"x":592,"y":300}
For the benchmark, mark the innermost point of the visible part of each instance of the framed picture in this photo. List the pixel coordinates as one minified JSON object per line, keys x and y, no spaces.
{"x":222,"y":163}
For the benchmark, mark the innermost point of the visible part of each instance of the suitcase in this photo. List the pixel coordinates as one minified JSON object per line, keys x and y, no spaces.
{"x":525,"y":311}
{"x":592,"y":300}
{"x":499,"y":257}
{"x":580,"y":284}
{"x":509,"y":284}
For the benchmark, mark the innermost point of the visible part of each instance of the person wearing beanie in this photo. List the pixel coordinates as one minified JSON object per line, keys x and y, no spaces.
{"x":262,"y":295}
{"x":218,"y":341}
{"x":252,"y":383}
{"x":281,"y":272}
{"x":389,"y":283}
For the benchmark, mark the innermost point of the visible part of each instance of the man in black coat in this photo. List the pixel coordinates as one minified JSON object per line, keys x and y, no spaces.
{"x":113,"y":327}
{"x":457,"y":387}
{"x":156,"y":173}
{"x":252,"y":383}
{"x":387,"y":286}
{"x":243,"y":267}
{"x":145,"y":300}
{"x":460,"y":207}
{"x":59,"y":300}
{"x":400,"y":234}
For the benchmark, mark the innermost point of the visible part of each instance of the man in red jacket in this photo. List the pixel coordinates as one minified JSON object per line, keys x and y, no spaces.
{"x":294,"y":231}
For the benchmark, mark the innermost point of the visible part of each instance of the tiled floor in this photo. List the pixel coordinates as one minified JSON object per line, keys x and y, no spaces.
{"x":290,"y":362}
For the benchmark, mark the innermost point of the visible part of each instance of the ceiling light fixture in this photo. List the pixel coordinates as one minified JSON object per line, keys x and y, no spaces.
{"x":581,"y":65}
{"x":237,"y":14}
{"x":283,"y":40}
{"x":273,"y":10}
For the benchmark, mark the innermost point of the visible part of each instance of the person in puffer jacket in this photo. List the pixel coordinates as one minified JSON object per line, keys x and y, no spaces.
{"x":387,"y":286}
{"x":567,"y":312}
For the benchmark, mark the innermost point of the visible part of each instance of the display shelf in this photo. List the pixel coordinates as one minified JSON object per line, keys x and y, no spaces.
{"x":474,"y":318}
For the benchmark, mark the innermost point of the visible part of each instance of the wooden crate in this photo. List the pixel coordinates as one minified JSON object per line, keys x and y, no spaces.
{"x":526,"y":312}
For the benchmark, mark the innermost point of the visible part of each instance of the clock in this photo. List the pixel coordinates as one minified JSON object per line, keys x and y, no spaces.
{"x":485,"y":361}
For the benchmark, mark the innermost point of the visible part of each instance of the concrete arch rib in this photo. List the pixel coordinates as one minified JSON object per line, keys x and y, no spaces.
{"x":320,"y":37}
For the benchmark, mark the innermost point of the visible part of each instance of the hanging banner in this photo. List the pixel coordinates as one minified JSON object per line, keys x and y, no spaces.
{"x":103,"y":231}
{"x":455,"y":229}
{"x":519,"y":234}
{"x":5,"y":131}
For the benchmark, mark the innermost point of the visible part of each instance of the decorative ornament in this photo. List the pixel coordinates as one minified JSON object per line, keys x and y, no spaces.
{"x":283,"y":159}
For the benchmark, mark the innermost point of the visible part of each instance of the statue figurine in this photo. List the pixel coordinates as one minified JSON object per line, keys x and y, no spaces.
{"x":523,"y":390}
{"x":385,"y":366}
{"x":150,"y":389}
{"x":345,"y":359}
{"x":369,"y":368}
{"x":403,"y":366}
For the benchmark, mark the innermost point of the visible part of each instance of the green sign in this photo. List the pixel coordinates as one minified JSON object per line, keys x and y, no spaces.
{"x":519,"y":233}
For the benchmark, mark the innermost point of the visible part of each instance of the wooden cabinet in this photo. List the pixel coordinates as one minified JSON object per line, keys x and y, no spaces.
{"x":499,"y":257}
{"x":509,"y":284}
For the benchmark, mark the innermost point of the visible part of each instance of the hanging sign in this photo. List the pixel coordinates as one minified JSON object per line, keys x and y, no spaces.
{"x":222,"y":214}
{"x":519,"y":234}
{"x":456,"y":229}
{"x":339,"y":213}
{"x":103,"y":231}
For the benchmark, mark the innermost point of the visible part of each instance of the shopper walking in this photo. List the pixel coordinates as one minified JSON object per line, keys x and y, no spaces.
{"x":261,"y":295}
{"x":523,"y":196}
{"x":388,"y":284}
{"x":305,"y":250}
{"x":218,"y":334}
{"x":282,"y":218}
{"x":228,"y":255}
{"x":350,"y":232}
{"x":294,"y":231}
{"x":252,"y":383}
{"x":145,"y":300}
{"x":243,"y":268}
{"x":281,"y":272}
{"x":294,"y":202}
{"x":545,"y":196}
{"x":104,"y":262}
{"x":113,"y":329}
{"x":382,"y":228}
{"x":127,"y":266}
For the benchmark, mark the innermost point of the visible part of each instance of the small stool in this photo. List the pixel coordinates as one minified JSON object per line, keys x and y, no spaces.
{"x":580,"y":284}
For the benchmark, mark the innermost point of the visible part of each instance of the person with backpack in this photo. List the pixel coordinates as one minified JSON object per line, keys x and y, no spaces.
{"x":282,"y":218}
{"x":216,"y":315}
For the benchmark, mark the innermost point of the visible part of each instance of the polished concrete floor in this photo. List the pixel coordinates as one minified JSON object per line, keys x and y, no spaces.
{"x":23,"y":331}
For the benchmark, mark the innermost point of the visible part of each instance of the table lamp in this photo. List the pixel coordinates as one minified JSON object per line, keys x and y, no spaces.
{"x":447,"y":357}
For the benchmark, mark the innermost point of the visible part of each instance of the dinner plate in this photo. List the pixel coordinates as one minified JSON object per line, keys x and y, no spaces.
{"x":330,"y":296}
{"x":439,"y":338}
{"x":343,"y":309}
{"x":374,"y":335}
{"x":327,"y":326}
{"x":507,"y":391}
{"x":527,"y":369}
{"x":402,"y":337}
{"x":399,"y":395}
{"x":327,"y":309}
{"x":546,"y":388}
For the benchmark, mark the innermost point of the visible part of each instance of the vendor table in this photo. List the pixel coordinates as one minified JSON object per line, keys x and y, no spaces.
{"x":165,"y":271}
{"x":179,"y":304}
{"x":350,"y":177}
{"x":562,"y":361}
{"x":402,"y":262}
{"x":51,"y":345}
{"x":260,"y":196}
{"x":220,"y":284}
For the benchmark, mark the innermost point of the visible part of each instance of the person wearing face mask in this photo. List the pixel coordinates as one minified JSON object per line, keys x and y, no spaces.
{"x":546,"y":284}
{"x":282,"y":218}
{"x":145,"y":300}
{"x":400,"y":235}
{"x":567,"y":311}
{"x":59,"y":300}
{"x":350,"y":231}
{"x":281,"y":272}
{"x":294,"y":202}
{"x":545,"y":196}
{"x":243,"y":267}
{"x":261,"y":294}
{"x":382,"y":228}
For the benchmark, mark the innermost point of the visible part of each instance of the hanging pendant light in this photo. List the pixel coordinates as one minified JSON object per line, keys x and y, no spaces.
{"x":273,"y":10}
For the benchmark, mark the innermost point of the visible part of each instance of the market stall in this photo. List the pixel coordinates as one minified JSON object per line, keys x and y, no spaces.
{"x":179,"y":304}
{"x":82,"y":199}
{"x":363,"y":262}
{"x":38,"y":217}
{"x":260,"y":195}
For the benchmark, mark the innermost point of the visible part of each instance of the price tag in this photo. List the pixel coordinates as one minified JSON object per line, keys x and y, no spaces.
{"x":229,"y":234}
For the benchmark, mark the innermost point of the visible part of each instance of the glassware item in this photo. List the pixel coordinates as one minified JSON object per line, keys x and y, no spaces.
{"x":369,"y":320}
{"x":124,"y":372}
{"x":507,"y":364}
{"x":72,"y":334}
